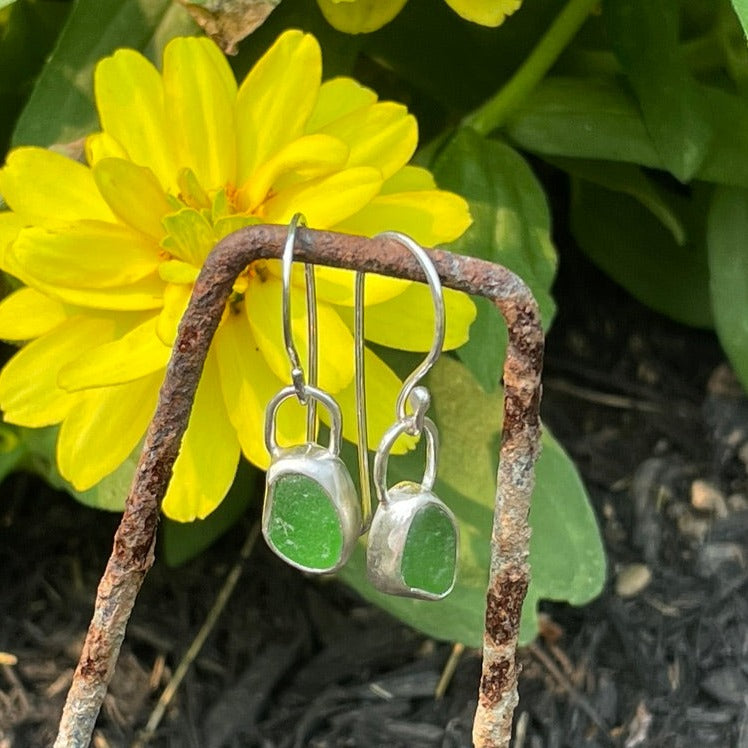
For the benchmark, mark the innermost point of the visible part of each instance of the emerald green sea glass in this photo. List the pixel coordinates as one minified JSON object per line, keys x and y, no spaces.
{"x":304,"y":527}
{"x":430,"y":554}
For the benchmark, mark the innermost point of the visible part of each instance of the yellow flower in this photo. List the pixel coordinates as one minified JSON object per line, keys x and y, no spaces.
{"x":363,"y":16}
{"x":108,"y":253}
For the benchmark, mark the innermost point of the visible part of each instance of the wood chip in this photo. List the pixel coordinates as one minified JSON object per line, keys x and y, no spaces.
{"x":708,"y":498}
{"x":632,"y":579}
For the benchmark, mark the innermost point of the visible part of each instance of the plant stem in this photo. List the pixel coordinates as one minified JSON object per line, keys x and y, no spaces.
{"x":493,"y":114}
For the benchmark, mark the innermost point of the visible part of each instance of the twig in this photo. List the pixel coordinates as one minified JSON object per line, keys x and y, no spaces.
{"x":133,"y":551}
{"x":574,"y":694}
{"x":521,"y":731}
{"x":197,"y":643}
{"x":449,"y":670}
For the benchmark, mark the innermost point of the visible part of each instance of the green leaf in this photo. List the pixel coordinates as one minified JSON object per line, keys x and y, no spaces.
{"x":33,"y":450}
{"x":61,"y":108}
{"x":741,"y":9}
{"x":39,"y":457}
{"x":594,"y":119}
{"x":26,"y":38}
{"x":630,"y":180}
{"x":727,"y":241}
{"x":182,"y":541}
{"x":12,"y":450}
{"x":644,"y":35}
{"x":552,"y":118}
{"x":511,"y":226}
{"x":632,"y":246}
{"x":566,"y":553}
{"x":727,"y":159}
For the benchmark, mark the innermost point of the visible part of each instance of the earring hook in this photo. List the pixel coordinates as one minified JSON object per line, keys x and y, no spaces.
{"x":418,"y":397}
{"x":297,"y":370}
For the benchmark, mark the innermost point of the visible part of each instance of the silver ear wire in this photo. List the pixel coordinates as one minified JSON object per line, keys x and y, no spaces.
{"x":435,"y":286}
{"x":359,"y":305}
{"x":413,"y":539}
{"x":311,"y":516}
{"x":297,"y":372}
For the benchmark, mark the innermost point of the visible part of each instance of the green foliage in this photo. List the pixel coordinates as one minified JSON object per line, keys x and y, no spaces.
{"x":33,"y":450}
{"x":632,"y":244}
{"x":27,"y":32}
{"x":644,"y":36}
{"x":566,"y":553}
{"x":641,"y":109}
{"x":647,"y":115}
{"x":741,"y":8}
{"x":61,"y":108}
{"x":511,"y":226}
{"x":727,"y":233}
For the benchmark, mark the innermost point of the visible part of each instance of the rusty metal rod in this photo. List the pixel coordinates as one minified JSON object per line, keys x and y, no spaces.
{"x":134,"y":541}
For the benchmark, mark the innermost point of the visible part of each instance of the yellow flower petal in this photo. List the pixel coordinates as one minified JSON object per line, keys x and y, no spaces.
{"x":485,"y":12}
{"x":130,"y":100}
{"x":248,"y":384}
{"x":44,"y":187}
{"x":176,"y":271}
{"x":382,"y":135}
{"x":276,"y":98}
{"x":406,"y":322}
{"x":361,"y":16}
{"x":209,"y":454}
{"x":10,"y":227}
{"x":430,"y":217}
{"x":307,"y":157}
{"x":143,"y":294}
{"x":136,"y":354}
{"x":176,"y":298}
{"x":335,"y":350}
{"x":338,"y":97}
{"x":86,"y":254}
{"x":325,"y":201}
{"x":227,"y":225}
{"x":101,"y":145}
{"x":134,"y":195}
{"x":29,"y":394}
{"x":191,"y":237}
{"x":199,"y":94}
{"x":337,"y":287}
{"x":409,"y":179}
{"x":382,"y":389}
{"x":102,"y":429}
{"x":27,"y":314}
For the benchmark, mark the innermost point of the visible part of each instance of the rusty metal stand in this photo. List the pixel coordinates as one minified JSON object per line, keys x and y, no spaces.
{"x":134,"y":541}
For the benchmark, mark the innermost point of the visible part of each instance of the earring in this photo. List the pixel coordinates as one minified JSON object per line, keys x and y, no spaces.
{"x":413,"y":539}
{"x":311,"y":516}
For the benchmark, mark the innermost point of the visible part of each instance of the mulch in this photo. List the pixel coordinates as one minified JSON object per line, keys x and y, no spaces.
{"x":659,"y":430}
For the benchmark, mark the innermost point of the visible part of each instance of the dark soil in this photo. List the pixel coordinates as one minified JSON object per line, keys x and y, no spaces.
{"x":659,"y":431}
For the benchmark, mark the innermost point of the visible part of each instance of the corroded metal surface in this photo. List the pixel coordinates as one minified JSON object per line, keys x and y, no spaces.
{"x":134,"y":540}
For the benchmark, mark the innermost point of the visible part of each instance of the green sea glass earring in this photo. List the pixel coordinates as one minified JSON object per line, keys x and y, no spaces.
{"x":311,"y":516}
{"x":413,"y":539}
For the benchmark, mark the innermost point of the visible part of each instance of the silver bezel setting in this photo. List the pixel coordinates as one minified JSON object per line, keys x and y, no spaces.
{"x":330,"y":473}
{"x":388,"y":535}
